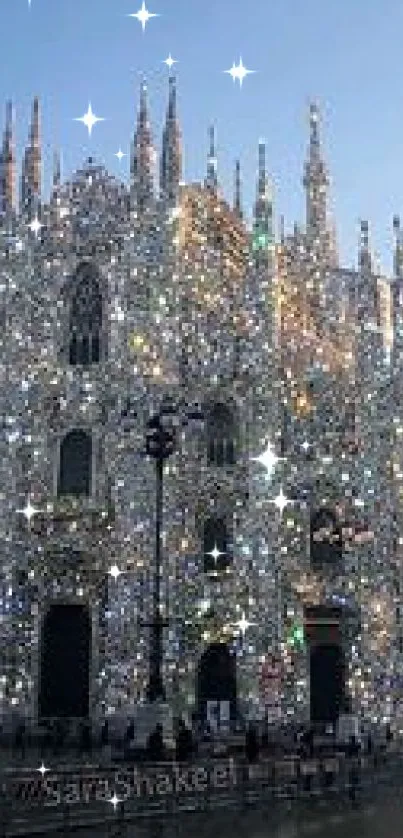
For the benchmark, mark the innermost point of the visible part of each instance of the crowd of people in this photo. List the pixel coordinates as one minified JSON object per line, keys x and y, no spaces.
{"x":188,"y":739}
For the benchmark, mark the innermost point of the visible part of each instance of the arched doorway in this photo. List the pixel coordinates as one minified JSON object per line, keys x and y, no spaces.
{"x":327,"y":682}
{"x":65,"y":662}
{"x":216,"y":679}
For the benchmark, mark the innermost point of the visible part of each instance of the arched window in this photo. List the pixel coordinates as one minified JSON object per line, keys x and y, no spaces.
{"x":221,"y":436}
{"x":326,"y":540}
{"x":85,"y":326}
{"x":216,"y":547}
{"x":75,"y":464}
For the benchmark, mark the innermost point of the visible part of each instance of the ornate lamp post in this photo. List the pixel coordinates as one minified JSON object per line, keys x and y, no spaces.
{"x":160,"y":442}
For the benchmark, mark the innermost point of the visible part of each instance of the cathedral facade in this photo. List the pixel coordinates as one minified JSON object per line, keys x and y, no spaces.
{"x":280,"y":582}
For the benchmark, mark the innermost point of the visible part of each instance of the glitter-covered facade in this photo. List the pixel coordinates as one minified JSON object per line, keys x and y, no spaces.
{"x":111,"y":300}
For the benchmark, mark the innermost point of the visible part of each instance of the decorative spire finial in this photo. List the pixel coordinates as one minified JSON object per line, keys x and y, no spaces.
{"x":57,"y":169}
{"x":237,"y":195}
{"x":263,"y":213}
{"x":7,"y":187}
{"x":398,"y":256}
{"x":31,"y":169}
{"x":364,"y":259}
{"x":315,"y":181}
{"x":143,"y":158}
{"x":171,"y":155}
{"x":211,"y":179}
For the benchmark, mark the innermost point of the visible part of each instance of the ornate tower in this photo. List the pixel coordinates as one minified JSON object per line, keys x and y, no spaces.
{"x":171,"y":154}
{"x":7,"y":167}
{"x":143,"y":162}
{"x":211,"y":181}
{"x":316,"y":182}
{"x":238,"y":191}
{"x":31,"y":169}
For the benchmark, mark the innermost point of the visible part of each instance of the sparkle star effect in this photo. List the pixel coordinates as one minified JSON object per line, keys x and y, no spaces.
{"x":215,"y":553}
{"x":268,"y":459}
{"x":89,"y":119}
{"x":170,"y":61}
{"x":119,"y":154}
{"x":42,"y":770}
{"x":281,"y":501}
{"x":35,"y":226}
{"x":114,"y":571}
{"x":143,"y":15}
{"x":238,"y":73}
{"x":243,"y":624}
{"x":29,"y":511}
{"x":115,"y":800}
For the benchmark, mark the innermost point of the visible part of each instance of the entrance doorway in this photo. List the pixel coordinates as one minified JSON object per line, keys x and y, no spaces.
{"x":327,"y":682}
{"x":65,"y":662}
{"x":216,"y":679}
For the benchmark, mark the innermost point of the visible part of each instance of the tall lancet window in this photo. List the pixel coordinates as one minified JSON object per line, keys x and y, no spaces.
{"x":75,"y":465}
{"x":85,"y":333}
{"x":216,"y":547}
{"x":221,"y":436}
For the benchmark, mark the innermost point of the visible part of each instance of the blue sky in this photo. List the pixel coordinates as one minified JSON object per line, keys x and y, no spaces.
{"x":345,"y":54}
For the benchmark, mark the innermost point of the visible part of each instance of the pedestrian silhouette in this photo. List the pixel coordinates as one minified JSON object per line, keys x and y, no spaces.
{"x":48,"y":738}
{"x":58,"y":737}
{"x":155,"y":744}
{"x":105,"y":734}
{"x":251,"y":744}
{"x":353,"y":751}
{"x":129,"y":735}
{"x":85,"y":738}
{"x":184,"y":742}
{"x":20,"y":740}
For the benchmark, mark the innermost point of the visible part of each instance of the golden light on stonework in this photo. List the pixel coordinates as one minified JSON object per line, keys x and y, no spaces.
{"x":308,"y":587}
{"x":380,"y":622}
{"x":136,"y":342}
{"x":302,"y":405}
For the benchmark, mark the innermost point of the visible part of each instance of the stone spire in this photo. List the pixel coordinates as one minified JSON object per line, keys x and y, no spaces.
{"x":237,"y":191}
{"x":56,"y":170}
{"x":171,"y":155}
{"x":211,"y":181}
{"x":364,"y":253}
{"x":368,"y":298}
{"x":263,"y":211}
{"x":143,"y":158}
{"x":315,"y":181}
{"x":31,"y":168}
{"x":7,"y":167}
{"x":398,"y":254}
{"x":55,"y":206}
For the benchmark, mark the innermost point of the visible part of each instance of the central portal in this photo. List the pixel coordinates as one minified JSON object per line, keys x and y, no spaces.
{"x":65,"y":662}
{"x":323,"y":629}
{"x":327,"y":683}
{"x":216,"y":679}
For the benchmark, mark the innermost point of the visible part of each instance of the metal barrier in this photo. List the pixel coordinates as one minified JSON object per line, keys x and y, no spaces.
{"x":72,"y":796}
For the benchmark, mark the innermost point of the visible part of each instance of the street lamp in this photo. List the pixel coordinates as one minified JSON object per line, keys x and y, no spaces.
{"x":160,"y":442}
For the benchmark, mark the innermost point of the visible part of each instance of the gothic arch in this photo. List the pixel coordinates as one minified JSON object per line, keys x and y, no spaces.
{"x":216,"y":679}
{"x":86,"y":342}
{"x":221,"y":434}
{"x":65,"y":660}
{"x":75,"y":464}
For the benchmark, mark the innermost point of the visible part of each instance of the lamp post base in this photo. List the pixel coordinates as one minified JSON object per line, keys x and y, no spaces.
{"x":149,"y":715}
{"x":155,"y":691}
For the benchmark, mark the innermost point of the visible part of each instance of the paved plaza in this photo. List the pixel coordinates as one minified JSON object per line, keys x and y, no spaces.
{"x":368,"y":821}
